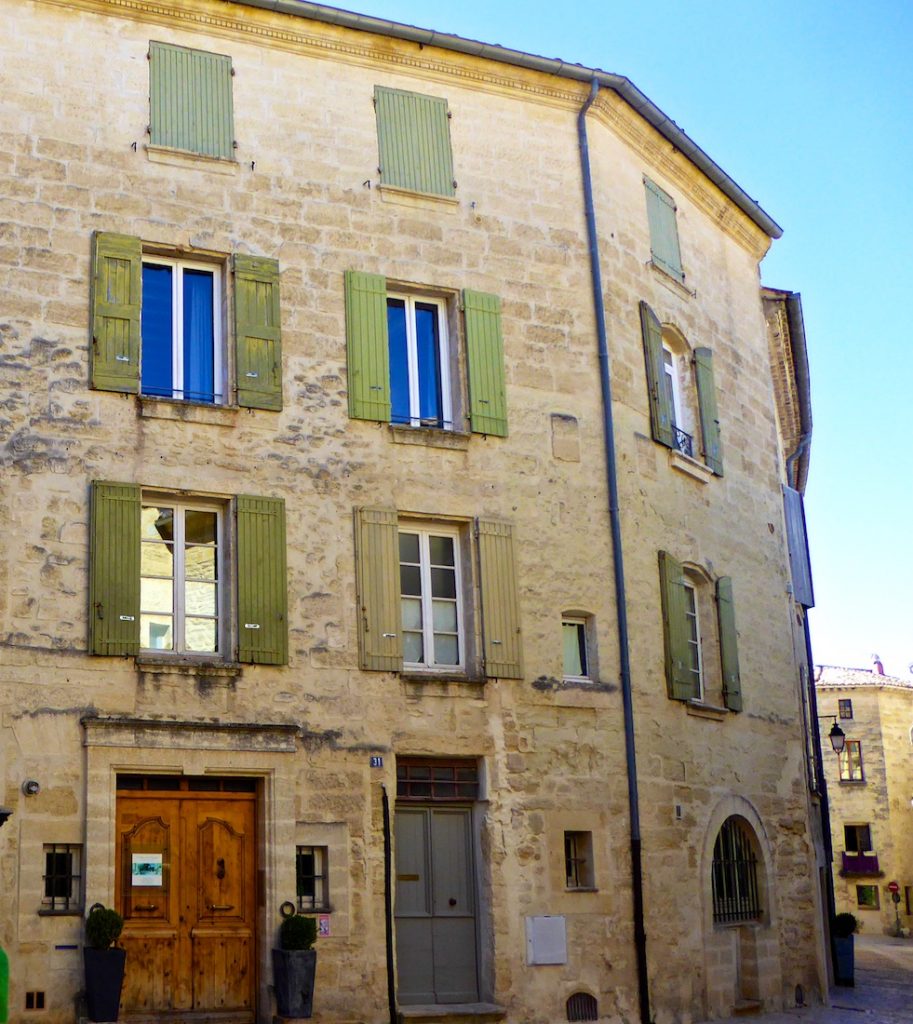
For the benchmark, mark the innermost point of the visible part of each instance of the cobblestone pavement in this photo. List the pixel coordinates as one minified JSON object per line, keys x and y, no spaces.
{"x":883,"y":993}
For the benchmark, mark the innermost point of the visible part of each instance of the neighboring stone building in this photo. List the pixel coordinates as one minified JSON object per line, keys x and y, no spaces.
{"x":871,"y":791}
{"x":310,"y":579}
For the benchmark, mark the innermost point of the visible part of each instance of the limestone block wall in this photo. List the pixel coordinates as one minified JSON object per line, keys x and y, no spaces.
{"x":304,"y":191}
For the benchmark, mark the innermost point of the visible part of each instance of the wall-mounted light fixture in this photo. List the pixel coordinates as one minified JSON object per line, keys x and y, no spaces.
{"x":5,"y":812}
{"x":837,"y":736}
{"x":31,"y":787}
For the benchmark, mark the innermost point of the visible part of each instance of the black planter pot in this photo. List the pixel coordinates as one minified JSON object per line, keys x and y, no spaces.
{"x":844,"y":955}
{"x":293,"y":978}
{"x":104,"y":981}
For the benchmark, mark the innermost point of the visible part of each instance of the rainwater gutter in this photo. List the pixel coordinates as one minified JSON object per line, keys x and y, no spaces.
{"x":797,"y":472}
{"x":637,"y":887}
{"x":546,"y":65}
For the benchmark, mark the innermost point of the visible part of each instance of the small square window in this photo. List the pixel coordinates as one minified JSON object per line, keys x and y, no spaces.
{"x":850,"y":762}
{"x":845,"y":708}
{"x":312,"y":880}
{"x":574,"y":643}
{"x":857,"y":839}
{"x":62,"y":877}
{"x":578,"y":860}
{"x":867,"y":897}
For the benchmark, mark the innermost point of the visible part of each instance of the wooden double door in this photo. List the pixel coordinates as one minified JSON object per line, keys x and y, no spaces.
{"x":186,"y":881}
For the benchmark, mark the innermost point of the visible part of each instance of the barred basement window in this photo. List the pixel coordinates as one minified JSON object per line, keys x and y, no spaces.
{"x":582,"y":1006}
{"x":426,"y":779}
{"x":312,"y":883}
{"x":62,"y":879}
{"x":735,"y":875}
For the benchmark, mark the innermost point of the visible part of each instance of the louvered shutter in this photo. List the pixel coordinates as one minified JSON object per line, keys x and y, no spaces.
{"x":797,"y":541}
{"x":663,"y":230}
{"x":117,"y":285}
{"x":729,"y":644}
{"x":190,"y":100}
{"x":114,"y":569}
{"x":367,"y":346}
{"x":710,"y":419}
{"x":681,"y":682}
{"x":413,"y":141}
{"x":262,"y":581}
{"x":500,"y":603}
{"x":258,"y":340}
{"x":660,"y":408}
{"x":380,"y":643}
{"x":485,"y":363}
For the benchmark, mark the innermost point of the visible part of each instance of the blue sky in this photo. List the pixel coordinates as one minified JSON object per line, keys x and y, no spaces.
{"x":809,"y":106}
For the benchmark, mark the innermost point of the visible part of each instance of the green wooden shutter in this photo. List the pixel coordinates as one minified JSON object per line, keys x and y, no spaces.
{"x":380,"y":642}
{"x":262,"y":581}
{"x":367,"y":346}
{"x":485,"y":363}
{"x":500,"y":603}
{"x":661,"y":412}
{"x":117,"y":286}
{"x":663,"y":230}
{"x":190,"y":100}
{"x":258,"y":340}
{"x":729,"y":644}
{"x":114,"y":569}
{"x":413,"y":140}
{"x":710,"y":419}
{"x":681,"y":682}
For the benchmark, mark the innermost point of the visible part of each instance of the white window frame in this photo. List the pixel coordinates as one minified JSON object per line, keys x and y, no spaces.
{"x":693,"y":616}
{"x":177,"y":325}
{"x":581,"y":624}
{"x":670,"y":369}
{"x":424,"y":534}
{"x":411,"y":301}
{"x":223,"y":596}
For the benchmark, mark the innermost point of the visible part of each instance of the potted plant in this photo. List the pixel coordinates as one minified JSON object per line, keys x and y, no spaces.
{"x":843,"y":928}
{"x":294,"y":966}
{"x":104,"y":963}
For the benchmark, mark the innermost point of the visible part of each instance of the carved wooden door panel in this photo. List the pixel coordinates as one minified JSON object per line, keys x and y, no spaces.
{"x":186,"y":882}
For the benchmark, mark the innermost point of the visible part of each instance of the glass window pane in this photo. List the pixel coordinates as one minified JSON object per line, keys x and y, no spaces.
{"x":200,"y":635}
{"x":443,"y":583}
{"x":156,"y":560}
{"x":446,"y":650}
{"x":441,"y":550}
{"x":573,"y":665}
{"x":199,"y":337}
{"x":412,"y":613}
{"x":399,"y":361}
{"x":156,"y":633}
{"x":444,"y":616}
{"x":429,"y":364}
{"x":410,"y":580}
{"x":413,"y":648}
{"x":408,"y":547}
{"x":200,"y":527}
{"x":200,"y":598}
{"x":157,"y":523}
{"x":156,"y":326}
{"x":200,"y":563}
{"x":156,"y":595}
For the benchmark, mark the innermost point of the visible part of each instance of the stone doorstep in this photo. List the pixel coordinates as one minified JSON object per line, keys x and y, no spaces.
{"x":451,"y":1013}
{"x":747,"y":1008}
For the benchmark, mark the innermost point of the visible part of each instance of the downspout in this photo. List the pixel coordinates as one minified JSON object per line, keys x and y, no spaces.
{"x":388,"y":906}
{"x":637,"y":883}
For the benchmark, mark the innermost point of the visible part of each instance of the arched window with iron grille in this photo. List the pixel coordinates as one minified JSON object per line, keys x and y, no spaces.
{"x":736,"y":894}
{"x":582,"y":1006}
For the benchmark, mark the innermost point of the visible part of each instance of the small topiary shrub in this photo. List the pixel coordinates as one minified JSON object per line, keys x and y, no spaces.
{"x":297,"y":932}
{"x":844,"y":925}
{"x":103,"y":926}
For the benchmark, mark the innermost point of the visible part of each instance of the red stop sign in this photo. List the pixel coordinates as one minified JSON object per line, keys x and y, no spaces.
{"x":893,"y":887}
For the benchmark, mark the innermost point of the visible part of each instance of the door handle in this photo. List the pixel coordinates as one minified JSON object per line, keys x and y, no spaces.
{"x":145,"y":906}
{"x":221,"y":906}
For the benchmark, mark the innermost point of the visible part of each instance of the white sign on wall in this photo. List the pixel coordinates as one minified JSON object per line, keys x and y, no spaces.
{"x":546,"y":940}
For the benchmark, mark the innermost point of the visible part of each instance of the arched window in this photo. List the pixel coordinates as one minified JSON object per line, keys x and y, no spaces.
{"x":736,"y":895}
{"x":582,"y":1006}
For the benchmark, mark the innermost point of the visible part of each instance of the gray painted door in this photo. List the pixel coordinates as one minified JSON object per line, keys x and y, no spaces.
{"x":435,"y":906}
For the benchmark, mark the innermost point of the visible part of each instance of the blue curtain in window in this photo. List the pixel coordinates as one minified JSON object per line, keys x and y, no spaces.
{"x":199,"y":368}
{"x":429,"y":365}
{"x":157,"y":315}
{"x":399,"y":361}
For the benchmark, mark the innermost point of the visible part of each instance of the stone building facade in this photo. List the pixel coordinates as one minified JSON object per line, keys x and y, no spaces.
{"x":871,"y":790}
{"x":307,"y":588}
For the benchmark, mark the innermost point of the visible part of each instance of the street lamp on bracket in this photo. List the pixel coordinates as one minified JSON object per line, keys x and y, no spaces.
{"x":836,"y":735}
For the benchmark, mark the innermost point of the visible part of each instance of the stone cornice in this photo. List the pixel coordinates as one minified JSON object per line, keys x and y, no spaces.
{"x":328,"y":42}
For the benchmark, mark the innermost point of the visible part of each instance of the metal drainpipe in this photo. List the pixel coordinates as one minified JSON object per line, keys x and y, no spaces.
{"x":637,"y":886}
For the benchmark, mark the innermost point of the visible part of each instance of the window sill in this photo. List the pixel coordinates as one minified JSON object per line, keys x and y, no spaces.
{"x":851,"y":782}
{"x":441,"y":684}
{"x":581,"y":888}
{"x":430,"y":437}
{"x":181,"y":158}
{"x":421,"y":200}
{"x":187,"y":412}
{"x":185,"y":666}
{"x":699,"y":709}
{"x":690,"y":467}
{"x":48,"y":912}
{"x":673,"y":282}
